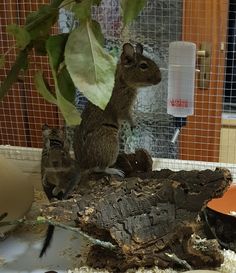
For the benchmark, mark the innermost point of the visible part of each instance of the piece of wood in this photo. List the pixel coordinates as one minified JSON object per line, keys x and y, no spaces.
{"x":205,"y":21}
{"x":147,"y":217}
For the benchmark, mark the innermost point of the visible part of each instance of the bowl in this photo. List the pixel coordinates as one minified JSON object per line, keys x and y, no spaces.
{"x":226,"y":204}
{"x":220,"y":221}
{"x":16,"y":193}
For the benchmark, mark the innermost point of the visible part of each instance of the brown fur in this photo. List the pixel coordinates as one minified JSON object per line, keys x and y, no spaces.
{"x":96,"y":142}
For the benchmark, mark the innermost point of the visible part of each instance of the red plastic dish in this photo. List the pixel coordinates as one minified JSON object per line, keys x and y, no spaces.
{"x":225,"y":204}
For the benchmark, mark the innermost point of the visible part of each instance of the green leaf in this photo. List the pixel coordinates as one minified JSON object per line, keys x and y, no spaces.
{"x":97,"y":2}
{"x":56,"y":3}
{"x":131,"y":9}
{"x":42,"y":88}
{"x":55,"y":48}
{"x":97,"y":31}
{"x":2,"y":61}
{"x":68,"y":4}
{"x":82,"y":10}
{"x":66,"y":85}
{"x":40,"y":220}
{"x":68,"y":110}
{"x":39,"y":23}
{"x":40,"y":46}
{"x":91,"y":68}
{"x":21,"y":35}
{"x":12,"y":76}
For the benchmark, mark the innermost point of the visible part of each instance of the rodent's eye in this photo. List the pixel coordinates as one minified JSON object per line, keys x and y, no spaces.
{"x":143,"y":65}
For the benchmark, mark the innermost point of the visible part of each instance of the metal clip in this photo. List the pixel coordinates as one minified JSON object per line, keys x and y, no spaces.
{"x":204,"y":65}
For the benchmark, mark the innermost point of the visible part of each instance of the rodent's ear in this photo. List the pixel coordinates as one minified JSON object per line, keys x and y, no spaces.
{"x":45,"y":127}
{"x":128,"y":50}
{"x":46,"y":130}
{"x":139,"y":48}
{"x":128,"y":55}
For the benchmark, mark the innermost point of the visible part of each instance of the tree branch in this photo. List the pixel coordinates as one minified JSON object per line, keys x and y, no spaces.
{"x":43,"y":220}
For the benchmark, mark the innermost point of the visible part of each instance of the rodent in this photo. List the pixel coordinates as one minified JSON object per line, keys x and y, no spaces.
{"x":96,"y":139}
{"x":59,"y":172}
{"x":58,"y":169}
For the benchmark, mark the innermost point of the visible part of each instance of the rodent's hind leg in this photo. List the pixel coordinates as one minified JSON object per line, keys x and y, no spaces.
{"x":111,"y":171}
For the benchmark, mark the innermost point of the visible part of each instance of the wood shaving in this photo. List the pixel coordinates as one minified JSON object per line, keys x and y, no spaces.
{"x":229,"y":266}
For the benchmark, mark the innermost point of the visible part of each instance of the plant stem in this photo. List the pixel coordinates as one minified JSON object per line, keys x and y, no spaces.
{"x":62,"y":6}
{"x":56,"y":3}
{"x":20,"y":63}
{"x":43,"y":220}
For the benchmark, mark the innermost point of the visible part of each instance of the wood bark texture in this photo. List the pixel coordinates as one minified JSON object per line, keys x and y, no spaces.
{"x":148,"y":215}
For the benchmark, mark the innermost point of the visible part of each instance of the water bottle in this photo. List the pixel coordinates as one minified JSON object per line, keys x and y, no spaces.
{"x":181,"y":78}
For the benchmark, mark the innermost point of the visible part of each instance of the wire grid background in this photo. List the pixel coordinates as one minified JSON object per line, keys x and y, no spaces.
{"x":23,"y":111}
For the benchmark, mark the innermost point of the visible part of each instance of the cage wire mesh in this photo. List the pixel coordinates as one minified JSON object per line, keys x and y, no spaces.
{"x":23,"y":110}
{"x":209,"y":134}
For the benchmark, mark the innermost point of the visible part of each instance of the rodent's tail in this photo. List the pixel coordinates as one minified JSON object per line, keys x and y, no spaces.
{"x":47,"y":240}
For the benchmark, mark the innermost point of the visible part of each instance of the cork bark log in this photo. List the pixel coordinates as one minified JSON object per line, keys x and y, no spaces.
{"x":148,"y":215}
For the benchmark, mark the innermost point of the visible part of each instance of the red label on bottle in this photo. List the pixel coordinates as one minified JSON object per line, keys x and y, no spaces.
{"x":180,"y":103}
